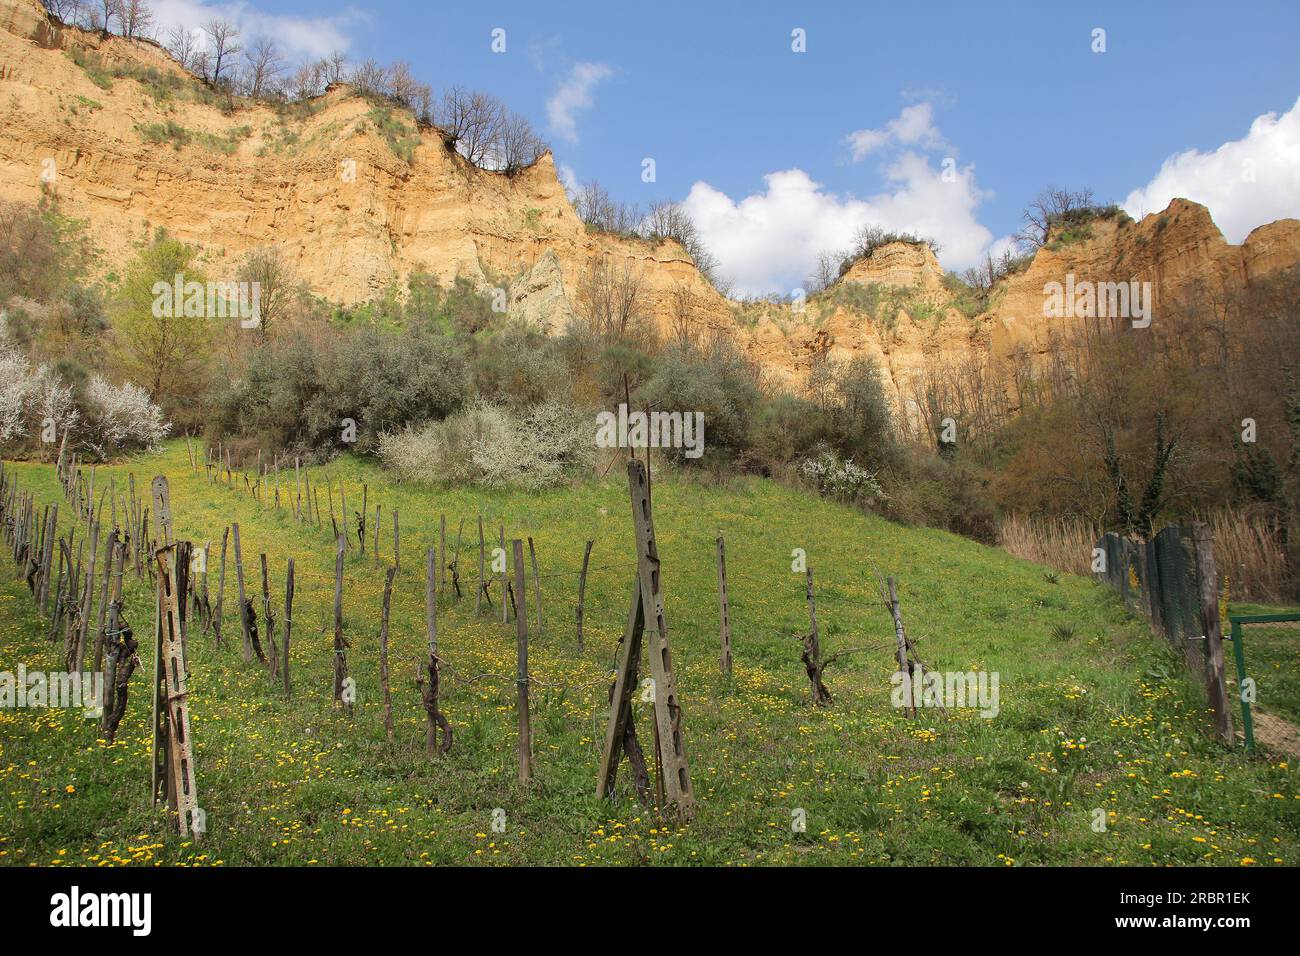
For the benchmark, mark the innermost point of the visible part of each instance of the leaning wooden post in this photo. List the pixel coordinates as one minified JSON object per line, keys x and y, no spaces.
{"x":812,"y":648}
{"x":340,"y":643}
{"x":397,"y":544}
{"x":647,"y":616}
{"x":428,"y":681}
{"x":1215,"y":685}
{"x":537,"y":584}
{"x":243,"y":601}
{"x":288,"y":626}
{"x":582,"y":589}
{"x":100,"y":622}
{"x":482,"y":568}
{"x":521,"y":672}
{"x":900,"y":635}
{"x":724,"y":609}
{"x":383,"y":654}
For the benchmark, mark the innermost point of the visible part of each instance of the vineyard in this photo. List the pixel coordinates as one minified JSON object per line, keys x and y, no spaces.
{"x":1095,"y":714}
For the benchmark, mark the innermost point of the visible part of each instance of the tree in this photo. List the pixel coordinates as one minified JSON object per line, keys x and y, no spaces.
{"x":334,"y":67}
{"x":103,"y":14}
{"x":470,"y":121}
{"x":609,"y":297}
{"x":182,"y":44}
{"x":264,"y":66}
{"x":160,"y":346}
{"x":223,"y":37}
{"x":370,"y":78}
{"x":1049,"y":205}
{"x":275,"y":283}
{"x":136,"y":18}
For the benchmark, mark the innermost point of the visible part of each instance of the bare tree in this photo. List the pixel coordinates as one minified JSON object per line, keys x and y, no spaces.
{"x":182,"y":45}
{"x":370,"y":78}
{"x":401,"y":83}
{"x":264,"y":66}
{"x":307,"y":80}
{"x":334,"y":67}
{"x":470,"y":120}
{"x":669,"y":220}
{"x":518,"y":145}
{"x":1048,"y":206}
{"x":609,"y":297}
{"x":69,"y":11}
{"x":597,"y":208}
{"x":102,"y":15}
{"x":224,"y":39}
{"x":137,"y":19}
{"x":826,"y":270}
{"x":271,"y":275}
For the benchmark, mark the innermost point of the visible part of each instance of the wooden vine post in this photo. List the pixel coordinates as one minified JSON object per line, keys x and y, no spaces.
{"x":428,"y":681}
{"x":724,"y":610}
{"x":340,"y":642}
{"x":521,"y":671}
{"x":383,"y":654}
{"x":482,"y":569}
{"x":1215,"y":685}
{"x":288,"y":626}
{"x":173,"y":754}
{"x":243,"y":600}
{"x":647,"y":613}
{"x":812,"y":649}
{"x":582,"y":590}
{"x":900,"y":635}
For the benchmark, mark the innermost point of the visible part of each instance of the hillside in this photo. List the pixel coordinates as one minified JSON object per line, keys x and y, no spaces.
{"x":1092,"y":714}
{"x":360,"y":196}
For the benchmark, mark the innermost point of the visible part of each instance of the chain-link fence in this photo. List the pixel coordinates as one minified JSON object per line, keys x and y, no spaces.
{"x":1171,"y":579}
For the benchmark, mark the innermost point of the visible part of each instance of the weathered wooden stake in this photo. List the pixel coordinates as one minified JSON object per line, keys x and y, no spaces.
{"x":521,"y":671}
{"x":383,"y":655}
{"x":340,"y":643}
{"x":288,"y":626}
{"x":582,"y":589}
{"x":243,"y":598}
{"x":724,"y":609}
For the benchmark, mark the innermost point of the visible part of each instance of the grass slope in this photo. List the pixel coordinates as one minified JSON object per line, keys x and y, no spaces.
{"x":1097,"y":717}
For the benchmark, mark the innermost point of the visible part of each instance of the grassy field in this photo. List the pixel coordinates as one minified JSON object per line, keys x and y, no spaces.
{"x":1094,"y":711}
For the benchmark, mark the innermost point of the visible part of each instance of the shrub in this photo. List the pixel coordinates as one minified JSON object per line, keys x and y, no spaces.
{"x":840,"y":478}
{"x":485,"y":444}
{"x":121,"y":418}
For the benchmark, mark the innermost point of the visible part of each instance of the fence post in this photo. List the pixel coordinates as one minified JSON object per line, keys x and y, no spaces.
{"x":383,"y":654}
{"x":1239,"y":653}
{"x":582,"y":589}
{"x":724,"y":609}
{"x":537,"y":584}
{"x":288,"y":625}
{"x":340,"y":645}
{"x":1215,"y":684}
{"x":521,"y":674}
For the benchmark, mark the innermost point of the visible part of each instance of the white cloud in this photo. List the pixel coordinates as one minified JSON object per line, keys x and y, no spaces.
{"x":299,"y":37}
{"x":1245,"y":183}
{"x":768,"y":241}
{"x":914,"y":126}
{"x":573,"y":94}
{"x":568,"y":178}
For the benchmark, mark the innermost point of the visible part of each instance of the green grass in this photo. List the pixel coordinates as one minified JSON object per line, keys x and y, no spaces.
{"x":1094,"y":712}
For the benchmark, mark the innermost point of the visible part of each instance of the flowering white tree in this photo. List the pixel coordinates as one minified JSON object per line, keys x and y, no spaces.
{"x":121,"y":417}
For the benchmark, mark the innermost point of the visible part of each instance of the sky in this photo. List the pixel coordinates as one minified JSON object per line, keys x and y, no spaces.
{"x":940,"y":119}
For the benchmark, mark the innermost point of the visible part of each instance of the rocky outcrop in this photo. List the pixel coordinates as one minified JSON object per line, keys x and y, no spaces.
{"x":360,"y":196}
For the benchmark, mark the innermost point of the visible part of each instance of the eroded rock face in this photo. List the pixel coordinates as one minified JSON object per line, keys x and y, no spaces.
{"x":357,"y":207}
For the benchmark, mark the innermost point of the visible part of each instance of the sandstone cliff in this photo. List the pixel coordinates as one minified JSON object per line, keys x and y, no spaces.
{"x":359,"y":196}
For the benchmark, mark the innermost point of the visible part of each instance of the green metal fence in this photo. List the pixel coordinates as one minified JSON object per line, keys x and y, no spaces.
{"x":1239,"y":622}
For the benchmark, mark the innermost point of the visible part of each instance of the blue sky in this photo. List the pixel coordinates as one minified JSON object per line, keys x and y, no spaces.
{"x":1012,"y":93}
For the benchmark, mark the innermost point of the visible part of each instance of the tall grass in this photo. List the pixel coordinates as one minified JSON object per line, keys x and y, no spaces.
{"x":1245,"y":549}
